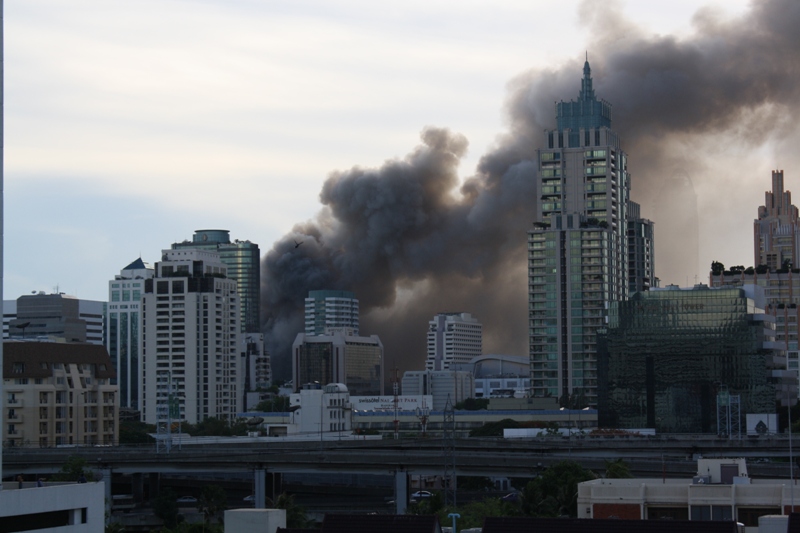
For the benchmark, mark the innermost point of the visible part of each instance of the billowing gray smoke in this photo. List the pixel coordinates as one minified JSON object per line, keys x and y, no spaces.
{"x":410,"y":240}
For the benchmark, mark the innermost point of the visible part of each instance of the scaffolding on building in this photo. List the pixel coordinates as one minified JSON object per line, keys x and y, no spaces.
{"x":729,"y":414}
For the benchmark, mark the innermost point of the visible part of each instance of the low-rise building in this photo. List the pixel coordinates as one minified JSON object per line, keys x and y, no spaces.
{"x":442,"y":385}
{"x":721,"y":490}
{"x":58,"y":394}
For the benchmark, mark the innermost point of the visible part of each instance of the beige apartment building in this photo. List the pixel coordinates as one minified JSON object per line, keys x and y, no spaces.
{"x":58,"y":394}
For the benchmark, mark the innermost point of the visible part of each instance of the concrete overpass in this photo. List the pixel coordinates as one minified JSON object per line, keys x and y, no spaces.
{"x":647,"y":457}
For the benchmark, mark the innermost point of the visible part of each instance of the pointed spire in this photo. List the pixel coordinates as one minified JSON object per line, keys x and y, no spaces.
{"x":586,"y":84}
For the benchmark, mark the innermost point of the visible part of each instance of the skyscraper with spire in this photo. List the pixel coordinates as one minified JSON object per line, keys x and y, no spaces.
{"x":578,"y":247}
{"x":777,"y":230}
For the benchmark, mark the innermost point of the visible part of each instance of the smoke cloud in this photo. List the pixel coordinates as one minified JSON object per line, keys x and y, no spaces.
{"x":410,"y":239}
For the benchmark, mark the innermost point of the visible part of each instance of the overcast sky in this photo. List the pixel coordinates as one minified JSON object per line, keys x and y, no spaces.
{"x":128,"y":125}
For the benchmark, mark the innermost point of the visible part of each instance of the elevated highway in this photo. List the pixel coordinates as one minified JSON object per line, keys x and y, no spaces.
{"x":668,"y":456}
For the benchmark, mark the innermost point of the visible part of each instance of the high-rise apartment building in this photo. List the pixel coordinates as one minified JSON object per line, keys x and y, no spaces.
{"x":330,"y":309}
{"x":58,"y":394}
{"x":257,"y":371}
{"x":243,"y":261}
{"x":641,"y":251}
{"x":454,"y":339}
{"x":54,"y":317}
{"x":578,"y":250}
{"x":124,"y":339}
{"x":777,"y":230}
{"x":190,"y":312}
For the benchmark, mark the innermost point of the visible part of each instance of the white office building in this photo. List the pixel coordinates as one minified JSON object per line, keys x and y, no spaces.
{"x":124,"y":339}
{"x":330,"y":309}
{"x":190,"y":310}
{"x":453,"y":339}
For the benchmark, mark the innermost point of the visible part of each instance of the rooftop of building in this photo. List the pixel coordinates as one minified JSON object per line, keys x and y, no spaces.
{"x":581,"y":525}
{"x":587,"y":111}
{"x":137,"y":264}
{"x":23,"y":359}
{"x":330,"y":293}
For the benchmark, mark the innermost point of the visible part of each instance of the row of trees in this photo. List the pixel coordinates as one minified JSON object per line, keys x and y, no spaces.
{"x":212,"y":503}
{"x":554,"y":493}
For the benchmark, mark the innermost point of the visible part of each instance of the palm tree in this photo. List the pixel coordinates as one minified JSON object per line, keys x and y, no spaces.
{"x":295,"y":514}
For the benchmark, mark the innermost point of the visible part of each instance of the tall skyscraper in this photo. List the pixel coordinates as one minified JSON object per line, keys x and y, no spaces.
{"x":777,"y":230}
{"x":578,"y":249}
{"x":775,"y":249}
{"x":124,"y":339}
{"x":243,"y":261}
{"x":453,"y":339}
{"x":330,"y":309}
{"x":190,"y":311}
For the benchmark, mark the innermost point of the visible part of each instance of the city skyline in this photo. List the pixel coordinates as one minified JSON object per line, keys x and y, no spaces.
{"x":147,"y":127}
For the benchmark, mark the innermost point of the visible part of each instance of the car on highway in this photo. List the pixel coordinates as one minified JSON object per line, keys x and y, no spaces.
{"x":186,"y":499}
{"x":420,"y":495}
{"x":511,"y":497}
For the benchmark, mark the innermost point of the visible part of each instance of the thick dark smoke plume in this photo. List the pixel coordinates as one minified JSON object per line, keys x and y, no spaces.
{"x":411,"y":240}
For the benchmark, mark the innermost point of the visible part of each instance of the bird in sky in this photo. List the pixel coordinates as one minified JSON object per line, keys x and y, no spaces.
{"x":297,"y":244}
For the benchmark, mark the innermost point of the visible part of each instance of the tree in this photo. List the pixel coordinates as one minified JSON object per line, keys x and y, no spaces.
{"x":295,"y":515}
{"x":74,"y":469}
{"x":212,"y":503}
{"x":474,"y":513}
{"x":278,"y":404}
{"x":165,"y":506}
{"x":472,"y":404}
{"x":216,"y":427}
{"x":135,"y":432}
{"x":555,"y":492}
{"x":617,"y":469}
{"x":717,"y":268}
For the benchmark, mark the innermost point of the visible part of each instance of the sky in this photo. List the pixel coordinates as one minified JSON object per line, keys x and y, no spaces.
{"x":128,"y":125}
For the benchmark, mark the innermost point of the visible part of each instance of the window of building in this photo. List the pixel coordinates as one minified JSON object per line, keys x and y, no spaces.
{"x":749,"y":515}
{"x":712,"y":512}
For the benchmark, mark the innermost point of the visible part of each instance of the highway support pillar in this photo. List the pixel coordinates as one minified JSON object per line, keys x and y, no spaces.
{"x":260,"y":494}
{"x":401,"y":491}
{"x":107,"y":482}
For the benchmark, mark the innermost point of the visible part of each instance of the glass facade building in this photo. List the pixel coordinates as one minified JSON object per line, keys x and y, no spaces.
{"x":339,"y":357}
{"x":124,"y":328}
{"x":668,"y":353}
